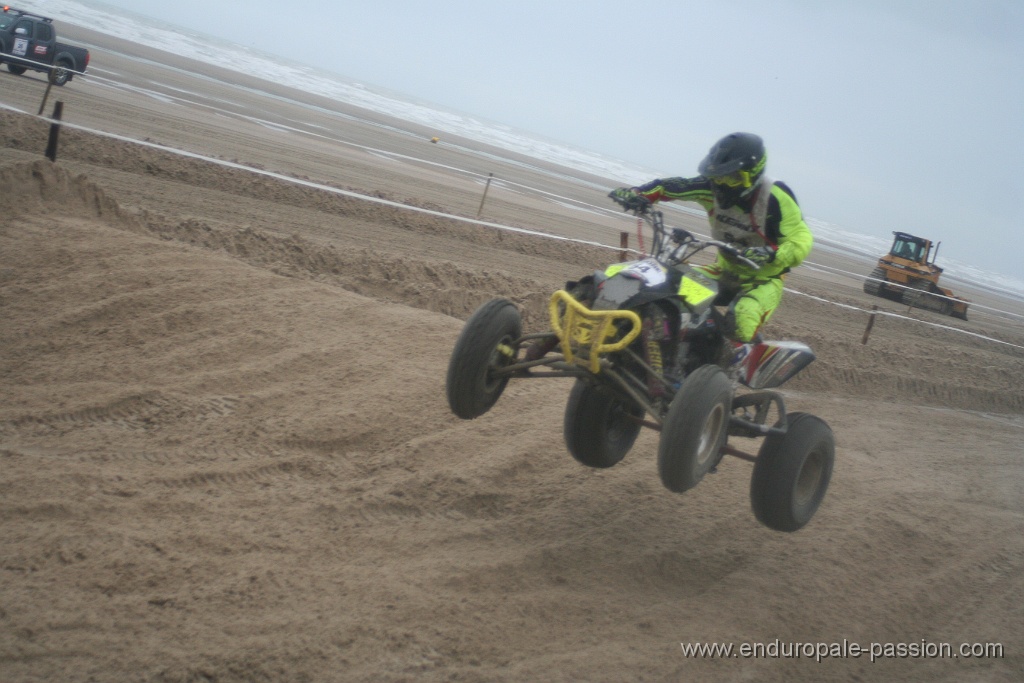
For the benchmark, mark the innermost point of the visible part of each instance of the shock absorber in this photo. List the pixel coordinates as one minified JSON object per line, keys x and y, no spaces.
{"x":655,"y":331}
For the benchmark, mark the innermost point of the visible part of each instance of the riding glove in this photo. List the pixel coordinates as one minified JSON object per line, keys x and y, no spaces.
{"x":629,"y":199}
{"x":760,"y":255}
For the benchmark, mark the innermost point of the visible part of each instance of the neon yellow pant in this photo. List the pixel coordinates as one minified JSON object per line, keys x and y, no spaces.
{"x":757,"y":301}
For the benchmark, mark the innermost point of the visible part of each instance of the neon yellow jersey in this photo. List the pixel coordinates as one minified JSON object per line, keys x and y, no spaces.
{"x":774,"y":219}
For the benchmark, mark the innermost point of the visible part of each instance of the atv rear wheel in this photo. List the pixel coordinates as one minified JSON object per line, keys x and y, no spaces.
{"x":792,"y":473}
{"x":600,"y":426}
{"x":487,"y":343}
{"x":695,"y":428}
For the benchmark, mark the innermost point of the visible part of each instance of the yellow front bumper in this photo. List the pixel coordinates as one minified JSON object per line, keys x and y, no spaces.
{"x":585,"y":334}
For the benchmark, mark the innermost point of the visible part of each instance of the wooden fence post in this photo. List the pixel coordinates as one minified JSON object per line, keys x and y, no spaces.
{"x":46,"y":95}
{"x":484,"y":198}
{"x":871,"y":323}
{"x":51,"y":145}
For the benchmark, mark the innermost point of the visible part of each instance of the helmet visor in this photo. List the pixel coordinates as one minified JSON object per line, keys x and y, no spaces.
{"x":737,"y":179}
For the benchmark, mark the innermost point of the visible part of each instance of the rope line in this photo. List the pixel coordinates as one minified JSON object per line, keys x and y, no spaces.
{"x":463,"y":219}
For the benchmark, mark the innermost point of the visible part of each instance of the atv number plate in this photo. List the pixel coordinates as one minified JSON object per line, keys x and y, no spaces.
{"x":694,"y":292}
{"x":648,"y":270}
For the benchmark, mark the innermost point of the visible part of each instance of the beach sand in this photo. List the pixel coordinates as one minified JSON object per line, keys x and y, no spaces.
{"x":226,"y":454}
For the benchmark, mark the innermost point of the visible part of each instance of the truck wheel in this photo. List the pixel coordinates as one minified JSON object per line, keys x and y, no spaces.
{"x":16,"y":69}
{"x":59,"y":74}
{"x":600,"y":426}
{"x":695,"y":428}
{"x":792,"y":473}
{"x":873,"y":287}
{"x":487,"y":343}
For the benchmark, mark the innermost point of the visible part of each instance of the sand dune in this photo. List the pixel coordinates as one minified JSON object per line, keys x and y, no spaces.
{"x":225,"y":455}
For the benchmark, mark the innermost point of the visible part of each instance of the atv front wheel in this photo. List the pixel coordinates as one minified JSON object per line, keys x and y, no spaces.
{"x":695,"y":428}
{"x":600,"y":427}
{"x":792,"y":473}
{"x":487,"y":343}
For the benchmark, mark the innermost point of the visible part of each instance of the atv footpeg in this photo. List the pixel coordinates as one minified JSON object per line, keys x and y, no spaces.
{"x":585,"y":334}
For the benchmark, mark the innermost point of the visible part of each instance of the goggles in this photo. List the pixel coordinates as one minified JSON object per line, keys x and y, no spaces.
{"x":737,"y":179}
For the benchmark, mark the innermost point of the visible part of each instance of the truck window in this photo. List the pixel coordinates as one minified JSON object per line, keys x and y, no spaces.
{"x":44,"y":32}
{"x":5,"y":21}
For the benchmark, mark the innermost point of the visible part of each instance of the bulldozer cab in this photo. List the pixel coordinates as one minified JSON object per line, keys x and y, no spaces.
{"x":916,"y":249}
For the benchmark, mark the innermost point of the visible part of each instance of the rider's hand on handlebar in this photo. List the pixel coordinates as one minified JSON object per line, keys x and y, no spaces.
{"x":759,"y":255}
{"x":679,"y":236}
{"x":629,"y":199}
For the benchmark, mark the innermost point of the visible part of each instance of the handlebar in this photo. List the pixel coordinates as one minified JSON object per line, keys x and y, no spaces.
{"x":686,"y":243}
{"x":735,"y":252}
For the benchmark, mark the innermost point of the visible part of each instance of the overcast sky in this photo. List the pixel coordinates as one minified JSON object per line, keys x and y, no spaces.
{"x":880,"y":114}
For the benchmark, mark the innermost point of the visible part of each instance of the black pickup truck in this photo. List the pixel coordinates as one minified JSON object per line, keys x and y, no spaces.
{"x":29,"y":41}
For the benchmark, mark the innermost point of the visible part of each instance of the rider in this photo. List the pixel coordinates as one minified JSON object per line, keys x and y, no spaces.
{"x":748,"y":209}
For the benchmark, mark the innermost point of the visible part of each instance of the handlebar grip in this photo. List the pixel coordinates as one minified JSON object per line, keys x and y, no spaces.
{"x":680,"y":235}
{"x":736,"y":254}
{"x":636,"y":202}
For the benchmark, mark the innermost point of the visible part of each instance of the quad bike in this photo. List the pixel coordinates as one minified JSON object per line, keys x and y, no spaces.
{"x":647,"y":344}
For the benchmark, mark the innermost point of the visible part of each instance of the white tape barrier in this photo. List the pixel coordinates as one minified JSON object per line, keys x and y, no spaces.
{"x":858,"y":276}
{"x":601,"y":210}
{"x":307,"y":183}
{"x":473,"y":221}
{"x":499,"y":181}
{"x":33,"y":64}
{"x":902,"y":317}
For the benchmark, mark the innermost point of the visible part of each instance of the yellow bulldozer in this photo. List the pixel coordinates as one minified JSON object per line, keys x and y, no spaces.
{"x":908,"y":274}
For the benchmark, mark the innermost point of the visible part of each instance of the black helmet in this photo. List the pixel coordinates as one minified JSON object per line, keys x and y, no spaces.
{"x":734,"y":165}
